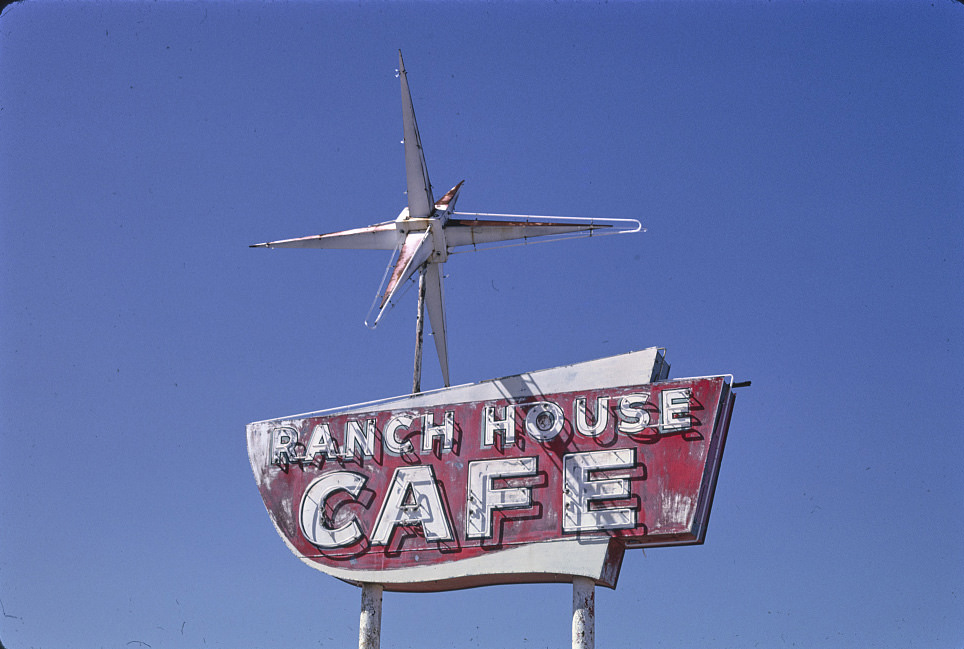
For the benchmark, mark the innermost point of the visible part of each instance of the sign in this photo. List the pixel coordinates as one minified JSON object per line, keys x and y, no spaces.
{"x":537,"y":477}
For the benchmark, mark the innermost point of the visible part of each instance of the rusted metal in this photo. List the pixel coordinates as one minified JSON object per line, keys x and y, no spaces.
{"x":443,"y":203}
{"x":424,"y":233}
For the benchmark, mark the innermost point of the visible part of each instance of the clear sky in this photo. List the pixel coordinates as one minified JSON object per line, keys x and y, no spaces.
{"x":799,"y":167}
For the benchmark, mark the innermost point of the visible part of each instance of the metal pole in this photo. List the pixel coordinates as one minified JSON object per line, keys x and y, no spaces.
{"x":583,"y":613}
{"x":370,"y":623}
{"x":419,"y":328}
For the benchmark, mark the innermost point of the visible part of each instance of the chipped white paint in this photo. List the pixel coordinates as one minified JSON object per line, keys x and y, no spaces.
{"x":583,"y":613}
{"x":677,"y":509}
{"x":553,"y":560}
{"x":370,"y":621}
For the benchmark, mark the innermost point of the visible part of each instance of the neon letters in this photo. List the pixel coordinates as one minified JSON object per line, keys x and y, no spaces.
{"x":499,"y":476}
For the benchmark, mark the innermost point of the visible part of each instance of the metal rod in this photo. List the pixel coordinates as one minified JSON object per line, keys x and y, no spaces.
{"x":419,"y":328}
{"x":370,"y":622}
{"x":583,"y":613}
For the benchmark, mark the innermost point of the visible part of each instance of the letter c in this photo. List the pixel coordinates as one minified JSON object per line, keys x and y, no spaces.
{"x":315,"y":525}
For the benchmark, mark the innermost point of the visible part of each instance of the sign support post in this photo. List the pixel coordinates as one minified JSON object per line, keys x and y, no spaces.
{"x":628,"y":457}
{"x":583,"y":613}
{"x":370,"y":622}
{"x":419,"y":330}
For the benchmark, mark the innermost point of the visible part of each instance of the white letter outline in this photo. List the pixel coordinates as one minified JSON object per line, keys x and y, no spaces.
{"x":482,"y":499}
{"x":311,"y":512}
{"x":580,"y":489}
{"x":428,"y":510}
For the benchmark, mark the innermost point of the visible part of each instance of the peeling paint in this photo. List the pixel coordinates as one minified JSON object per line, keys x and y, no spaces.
{"x":676,"y":509}
{"x":578,"y":476}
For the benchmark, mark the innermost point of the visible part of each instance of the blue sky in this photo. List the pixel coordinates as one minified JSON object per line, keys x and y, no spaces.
{"x":799,"y":169}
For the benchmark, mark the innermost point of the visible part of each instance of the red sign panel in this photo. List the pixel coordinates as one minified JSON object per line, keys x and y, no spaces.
{"x":448,"y":495}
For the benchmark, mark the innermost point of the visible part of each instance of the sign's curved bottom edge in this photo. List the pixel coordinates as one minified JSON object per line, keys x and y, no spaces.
{"x":559,"y":561}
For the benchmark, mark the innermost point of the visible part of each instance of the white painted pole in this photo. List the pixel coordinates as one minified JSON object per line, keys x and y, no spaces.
{"x":370,"y":623}
{"x":583,"y":613}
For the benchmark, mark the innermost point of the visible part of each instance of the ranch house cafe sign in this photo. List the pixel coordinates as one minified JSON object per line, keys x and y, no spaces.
{"x":543,"y":476}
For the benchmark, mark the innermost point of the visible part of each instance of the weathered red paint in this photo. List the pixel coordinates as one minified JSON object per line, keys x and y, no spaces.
{"x":671,"y":483}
